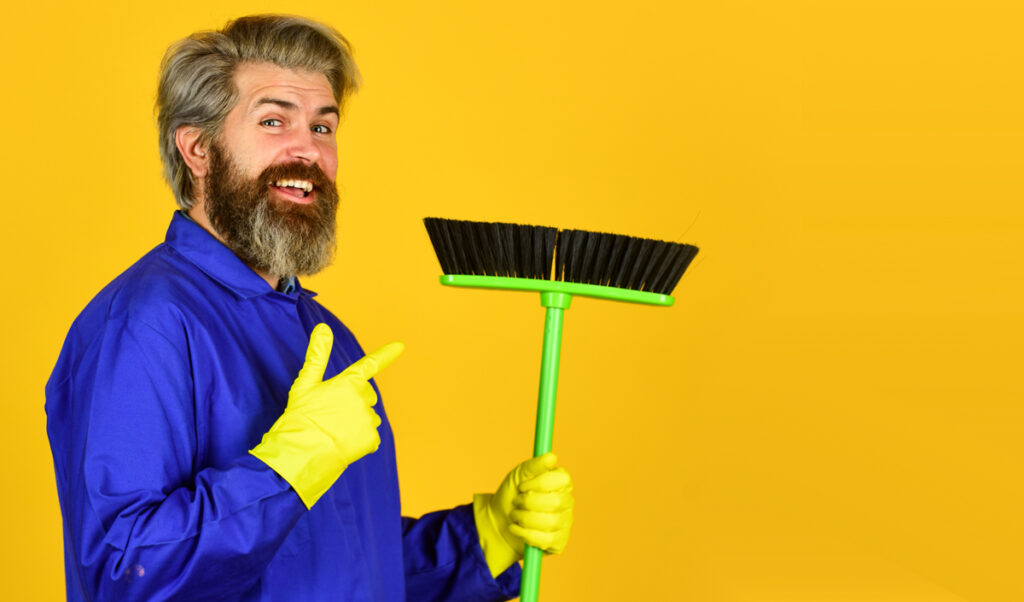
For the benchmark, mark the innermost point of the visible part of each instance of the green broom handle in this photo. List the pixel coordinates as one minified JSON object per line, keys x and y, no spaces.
{"x":556,"y":304}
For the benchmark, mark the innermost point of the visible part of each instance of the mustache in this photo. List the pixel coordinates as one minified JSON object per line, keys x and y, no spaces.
{"x":295,"y":171}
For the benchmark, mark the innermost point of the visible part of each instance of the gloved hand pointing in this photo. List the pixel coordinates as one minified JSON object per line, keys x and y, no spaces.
{"x":327,"y":424}
{"x":533,"y":505}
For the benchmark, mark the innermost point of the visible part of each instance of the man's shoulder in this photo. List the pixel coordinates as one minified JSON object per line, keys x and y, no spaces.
{"x":157,"y":290}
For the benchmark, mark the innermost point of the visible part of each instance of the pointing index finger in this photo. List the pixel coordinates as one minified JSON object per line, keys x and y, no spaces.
{"x":368,"y":366}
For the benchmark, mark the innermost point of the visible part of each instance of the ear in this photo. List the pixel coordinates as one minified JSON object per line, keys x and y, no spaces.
{"x":193,"y":150}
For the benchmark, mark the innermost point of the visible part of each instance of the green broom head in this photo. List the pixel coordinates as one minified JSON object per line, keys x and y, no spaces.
{"x":517,"y":251}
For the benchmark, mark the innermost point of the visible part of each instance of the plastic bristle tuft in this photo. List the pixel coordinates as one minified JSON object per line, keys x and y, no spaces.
{"x":472,"y":248}
{"x":574,"y":262}
{"x":482,"y":239}
{"x":563,"y":241}
{"x":441,"y":246}
{"x":517,"y":251}
{"x":629,"y":253}
{"x":615,"y":258}
{"x":522,"y":249}
{"x":463,"y":247}
{"x":579,"y":256}
{"x":659,"y":277}
{"x":537,"y":253}
{"x":497,"y":237}
{"x":604,"y":245}
{"x":633,"y":275}
{"x":686,"y":257}
{"x":658,"y":250}
{"x":589,"y":273}
{"x":550,"y":240}
{"x":566,"y":244}
{"x":507,"y":239}
{"x":525,"y":248}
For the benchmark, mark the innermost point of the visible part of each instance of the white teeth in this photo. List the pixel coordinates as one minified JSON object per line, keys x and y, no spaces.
{"x":303,"y":184}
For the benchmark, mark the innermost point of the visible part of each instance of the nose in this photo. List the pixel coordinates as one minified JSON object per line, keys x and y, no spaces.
{"x":303,"y":147}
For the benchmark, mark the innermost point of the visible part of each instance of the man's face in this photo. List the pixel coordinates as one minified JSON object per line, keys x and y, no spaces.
{"x":270,"y":190}
{"x":282,"y":116}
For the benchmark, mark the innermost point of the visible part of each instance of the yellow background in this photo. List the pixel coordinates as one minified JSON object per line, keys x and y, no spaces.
{"x":831,"y":411}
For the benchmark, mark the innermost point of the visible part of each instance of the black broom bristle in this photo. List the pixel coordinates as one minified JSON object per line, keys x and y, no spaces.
{"x":501,"y":249}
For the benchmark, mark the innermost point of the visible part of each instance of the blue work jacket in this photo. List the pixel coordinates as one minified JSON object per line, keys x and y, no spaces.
{"x":165,"y":381}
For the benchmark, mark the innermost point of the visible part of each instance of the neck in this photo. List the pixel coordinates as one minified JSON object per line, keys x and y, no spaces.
{"x":199,"y":216}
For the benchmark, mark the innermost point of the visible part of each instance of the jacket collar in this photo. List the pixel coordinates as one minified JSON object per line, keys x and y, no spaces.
{"x":218,"y":262}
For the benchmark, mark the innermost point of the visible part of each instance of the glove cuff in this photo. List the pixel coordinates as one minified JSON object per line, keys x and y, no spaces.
{"x":305,"y":456}
{"x":497,"y":551}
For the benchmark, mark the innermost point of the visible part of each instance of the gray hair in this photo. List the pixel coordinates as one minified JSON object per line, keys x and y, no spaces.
{"x":197,"y":86}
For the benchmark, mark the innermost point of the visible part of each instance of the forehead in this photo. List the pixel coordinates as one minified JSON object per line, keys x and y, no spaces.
{"x":256,"y":80}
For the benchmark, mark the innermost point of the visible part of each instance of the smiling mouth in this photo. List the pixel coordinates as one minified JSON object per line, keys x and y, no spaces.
{"x":296,"y":190}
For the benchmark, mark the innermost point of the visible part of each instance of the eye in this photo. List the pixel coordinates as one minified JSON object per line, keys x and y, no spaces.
{"x":271,"y":122}
{"x":321,"y":129}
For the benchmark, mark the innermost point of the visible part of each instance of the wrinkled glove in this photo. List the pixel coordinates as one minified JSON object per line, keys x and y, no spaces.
{"x":327,"y":424}
{"x":533,"y":505}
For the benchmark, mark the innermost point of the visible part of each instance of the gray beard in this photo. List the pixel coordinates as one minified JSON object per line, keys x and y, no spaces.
{"x":283,"y":251}
{"x":281,"y":238}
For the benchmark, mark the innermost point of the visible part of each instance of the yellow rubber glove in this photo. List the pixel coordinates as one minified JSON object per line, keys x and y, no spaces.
{"x":327,"y":424}
{"x":533,"y":505}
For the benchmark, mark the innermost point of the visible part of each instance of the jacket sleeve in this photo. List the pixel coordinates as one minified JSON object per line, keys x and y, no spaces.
{"x":444,"y":561}
{"x":141,"y":523}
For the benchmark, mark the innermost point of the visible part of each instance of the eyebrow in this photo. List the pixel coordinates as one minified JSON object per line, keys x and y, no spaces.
{"x":291,"y":106}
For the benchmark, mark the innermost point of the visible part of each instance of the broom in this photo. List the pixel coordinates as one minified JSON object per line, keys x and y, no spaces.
{"x":587,"y":264}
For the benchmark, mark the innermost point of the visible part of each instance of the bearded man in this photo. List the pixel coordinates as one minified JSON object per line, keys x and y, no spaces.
{"x":216,"y":432}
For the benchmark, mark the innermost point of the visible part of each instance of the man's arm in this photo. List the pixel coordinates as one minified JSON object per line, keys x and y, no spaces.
{"x":140,"y":520}
{"x":444,"y":561}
